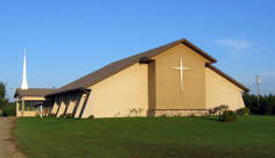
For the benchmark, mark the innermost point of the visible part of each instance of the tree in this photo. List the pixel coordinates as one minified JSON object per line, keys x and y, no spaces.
{"x":6,"y":108}
{"x":3,"y":101}
{"x":2,"y":90}
{"x":265,"y":105}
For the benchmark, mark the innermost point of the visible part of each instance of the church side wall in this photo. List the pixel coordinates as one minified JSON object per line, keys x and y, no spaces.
{"x":122,"y":95}
{"x":221,"y":91}
{"x":168,"y":93}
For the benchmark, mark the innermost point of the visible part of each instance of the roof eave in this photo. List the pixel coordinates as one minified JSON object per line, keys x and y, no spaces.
{"x":198,"y":50}
{"x":79,"y":89}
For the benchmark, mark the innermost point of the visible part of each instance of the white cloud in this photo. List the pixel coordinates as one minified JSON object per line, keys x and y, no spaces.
{"x":235,"y":44}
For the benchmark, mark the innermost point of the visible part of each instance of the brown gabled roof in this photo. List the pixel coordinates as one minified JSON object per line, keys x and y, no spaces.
{"x":117,"y":66}
{"x":33,"y":92}
{"x":218,"y":71}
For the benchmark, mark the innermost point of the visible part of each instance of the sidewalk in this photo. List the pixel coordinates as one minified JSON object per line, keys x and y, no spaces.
{"x":7,"y":144}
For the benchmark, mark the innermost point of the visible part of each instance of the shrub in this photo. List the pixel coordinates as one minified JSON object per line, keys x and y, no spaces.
{"x":229,"y":116}
{"x":38,"y":116}
{"x":218,"y":110}
{"x":62,"y":116}
{"x":91,"y":117}
{"x":243,"y":111}
{"x":163,"y":116}
{"x":51,"y":115}
{"x":69,"y":116}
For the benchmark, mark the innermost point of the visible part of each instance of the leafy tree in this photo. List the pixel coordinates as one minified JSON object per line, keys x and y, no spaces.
{"x":2,"y":90}
{"x":265,"y":105}
{"x":6,"y":108}
{"x":3,"y":101}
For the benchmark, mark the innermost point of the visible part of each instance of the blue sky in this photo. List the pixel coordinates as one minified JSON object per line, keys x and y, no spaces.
{"x":68,"y":39}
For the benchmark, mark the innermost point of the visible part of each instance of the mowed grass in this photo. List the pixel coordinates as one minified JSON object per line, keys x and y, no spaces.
{"x":190,"y":137}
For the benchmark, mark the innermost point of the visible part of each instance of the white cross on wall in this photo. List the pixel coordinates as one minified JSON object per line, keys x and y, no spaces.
{"x":181,"y":69}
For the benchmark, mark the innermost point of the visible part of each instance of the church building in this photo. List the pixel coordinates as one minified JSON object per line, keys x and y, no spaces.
{"x":176,"y":79}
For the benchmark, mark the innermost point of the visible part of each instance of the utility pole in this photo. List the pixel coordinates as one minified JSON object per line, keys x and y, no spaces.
{"x":258,"y":81}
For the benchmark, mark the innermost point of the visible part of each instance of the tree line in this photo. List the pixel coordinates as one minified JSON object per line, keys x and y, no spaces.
{"x":262,"y":105}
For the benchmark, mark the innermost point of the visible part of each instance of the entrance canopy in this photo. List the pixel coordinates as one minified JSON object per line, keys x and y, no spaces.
{"x":29,"y":100}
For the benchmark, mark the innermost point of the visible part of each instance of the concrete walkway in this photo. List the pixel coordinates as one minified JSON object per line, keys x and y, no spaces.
{"x":7,"y":143}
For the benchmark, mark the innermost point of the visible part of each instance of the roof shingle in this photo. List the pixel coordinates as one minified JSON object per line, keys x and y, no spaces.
{"x":33,"y":92}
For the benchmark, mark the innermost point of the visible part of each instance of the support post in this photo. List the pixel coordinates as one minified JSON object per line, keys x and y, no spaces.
{"x":17,"y":108}
{"x":23,"y":107}
{"x":41,"y":111}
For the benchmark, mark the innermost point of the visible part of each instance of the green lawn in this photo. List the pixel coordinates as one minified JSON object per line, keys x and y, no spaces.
{"x":191,"y":137}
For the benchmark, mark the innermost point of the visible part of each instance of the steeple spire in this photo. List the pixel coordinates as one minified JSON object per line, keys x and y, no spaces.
{"x":24,"y":84}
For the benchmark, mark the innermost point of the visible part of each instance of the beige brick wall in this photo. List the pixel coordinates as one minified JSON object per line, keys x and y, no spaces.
{"x":221,"y":91}
{"x":180,"y":112}
{"x":168,"y":94}
{"x":121,"y":95}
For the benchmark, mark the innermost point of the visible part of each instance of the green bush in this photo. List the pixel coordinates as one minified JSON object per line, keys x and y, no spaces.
{"x":51,"y":115}
{"x":69,"y":116}
{"x":38,"y":116}
{"x":218,"y":110}
{"x":243,"y":111}
{"x":91,"y":117}
{"x":229,"y":116}
{"x":62,"y":116}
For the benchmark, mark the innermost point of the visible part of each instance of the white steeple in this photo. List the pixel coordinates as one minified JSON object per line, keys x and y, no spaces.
{"x":24,"y":84}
